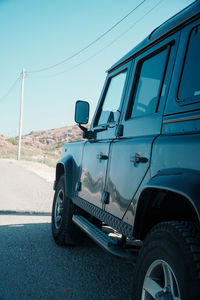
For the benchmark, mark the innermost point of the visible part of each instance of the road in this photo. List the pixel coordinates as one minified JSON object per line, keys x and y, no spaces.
{"x":32,"y":266}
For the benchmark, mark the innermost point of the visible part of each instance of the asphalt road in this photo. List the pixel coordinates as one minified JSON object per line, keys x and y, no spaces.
{"x":32,"y":266}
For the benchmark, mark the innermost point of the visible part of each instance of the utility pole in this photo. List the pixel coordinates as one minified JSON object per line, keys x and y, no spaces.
{"x":21,"y":115}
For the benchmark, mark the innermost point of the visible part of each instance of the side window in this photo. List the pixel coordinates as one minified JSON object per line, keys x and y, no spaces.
{"x":189,"y":88}
{"x":110,"y":109}
{"x":148,"y":86}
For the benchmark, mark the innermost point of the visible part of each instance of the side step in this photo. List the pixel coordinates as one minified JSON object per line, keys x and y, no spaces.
{"x":104,"y":240}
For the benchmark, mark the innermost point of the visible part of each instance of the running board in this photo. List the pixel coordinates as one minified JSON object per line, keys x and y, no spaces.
{"x":104,"y":240}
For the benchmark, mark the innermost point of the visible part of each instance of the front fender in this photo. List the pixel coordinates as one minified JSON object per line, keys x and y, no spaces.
{"x":185,"y":182}
{"x":71,"y":171}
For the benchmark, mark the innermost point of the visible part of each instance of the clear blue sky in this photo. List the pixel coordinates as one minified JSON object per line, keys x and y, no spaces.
{"x":37,"y":34}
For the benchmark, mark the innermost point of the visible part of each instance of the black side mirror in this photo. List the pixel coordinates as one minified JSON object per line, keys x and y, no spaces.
{"x":82,"y":109}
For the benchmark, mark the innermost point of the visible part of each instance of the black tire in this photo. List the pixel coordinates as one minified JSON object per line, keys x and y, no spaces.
{"x":64,"y":231}
{"x":171,"y":250}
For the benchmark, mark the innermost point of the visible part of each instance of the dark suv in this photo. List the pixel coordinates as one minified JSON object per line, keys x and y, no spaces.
{"x":134,"y":184}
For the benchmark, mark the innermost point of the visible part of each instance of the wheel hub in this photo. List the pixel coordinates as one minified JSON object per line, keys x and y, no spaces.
{"x":164,"y":295}
{"x":160,"y":282}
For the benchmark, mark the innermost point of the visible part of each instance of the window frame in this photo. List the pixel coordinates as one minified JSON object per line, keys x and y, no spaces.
{"x":194,"y":99}
{"x":124,"y":68}
{"x":139,"y":63}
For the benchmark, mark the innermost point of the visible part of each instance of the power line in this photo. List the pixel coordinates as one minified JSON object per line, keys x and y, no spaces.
{"x":133,"y":25}
{"x":101,"y":50}
{"x":89,"y":45}
{"x":9,"y":90}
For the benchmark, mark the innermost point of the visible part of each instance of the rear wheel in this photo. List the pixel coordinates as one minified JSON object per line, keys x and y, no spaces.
{"x":64,"y":231}
{"x":168,"y":266}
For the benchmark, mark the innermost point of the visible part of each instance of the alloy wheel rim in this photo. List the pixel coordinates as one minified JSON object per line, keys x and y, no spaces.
{"x":160,"y":282}
{"x":58,"y":210}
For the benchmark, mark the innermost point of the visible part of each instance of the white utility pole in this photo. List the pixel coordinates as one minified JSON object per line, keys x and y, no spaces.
{"x":21,"y":116}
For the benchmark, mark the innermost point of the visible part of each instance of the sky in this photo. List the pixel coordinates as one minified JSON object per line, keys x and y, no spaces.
{"x":39,"y":34}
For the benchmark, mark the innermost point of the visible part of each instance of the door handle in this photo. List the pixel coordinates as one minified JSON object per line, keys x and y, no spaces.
{"x":102,"y":156}
{"x":137,"y":159}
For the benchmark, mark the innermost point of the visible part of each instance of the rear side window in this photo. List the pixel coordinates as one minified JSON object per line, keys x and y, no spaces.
{"x":189,"y":87}
{"x":148,"y":86}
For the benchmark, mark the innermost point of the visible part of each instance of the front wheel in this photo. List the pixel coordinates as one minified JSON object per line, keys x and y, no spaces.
{"x":64,"y":231}
{"x":168,"y":266}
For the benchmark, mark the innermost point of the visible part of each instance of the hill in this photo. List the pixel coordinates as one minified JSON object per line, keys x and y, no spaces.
{"x":41,"y":146}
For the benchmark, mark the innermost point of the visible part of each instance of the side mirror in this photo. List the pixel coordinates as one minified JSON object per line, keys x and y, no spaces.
{"x":82,"y":109}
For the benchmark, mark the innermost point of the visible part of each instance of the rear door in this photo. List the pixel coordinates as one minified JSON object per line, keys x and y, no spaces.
{"x":130,"y":153}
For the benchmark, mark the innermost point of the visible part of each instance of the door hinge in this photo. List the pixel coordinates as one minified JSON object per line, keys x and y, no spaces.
{"x":78,"y":186}
{"x":105,"y":198}
{"x":119,"y":131}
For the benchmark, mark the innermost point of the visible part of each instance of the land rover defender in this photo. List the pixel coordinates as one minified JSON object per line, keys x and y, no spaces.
{"x":133,"y":184}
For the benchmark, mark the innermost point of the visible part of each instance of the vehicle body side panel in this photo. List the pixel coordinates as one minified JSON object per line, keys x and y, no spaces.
{"x":184,"y":182}
{"x":70,"y":163}
{"x":176,"y":151}
{"x":93,"y":172}
{"x":179,"y":153}
{"x":124,"y":174}
{"x":129,"y":216}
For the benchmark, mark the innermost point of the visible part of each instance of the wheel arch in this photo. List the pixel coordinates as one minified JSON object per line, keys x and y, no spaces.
{"x":69,"y":169}
{"x":60,"y":170}
{"x":170,"y":195}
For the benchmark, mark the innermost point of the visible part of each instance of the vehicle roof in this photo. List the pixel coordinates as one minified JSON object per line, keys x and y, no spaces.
{"x":166,"y":28}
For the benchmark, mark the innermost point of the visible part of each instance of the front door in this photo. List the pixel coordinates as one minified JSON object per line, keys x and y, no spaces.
{"x":96,"y":152}
{"x":94,"y":171}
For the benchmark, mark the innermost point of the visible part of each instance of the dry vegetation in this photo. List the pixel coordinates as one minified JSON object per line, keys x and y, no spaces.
{"x":40,"y":146}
